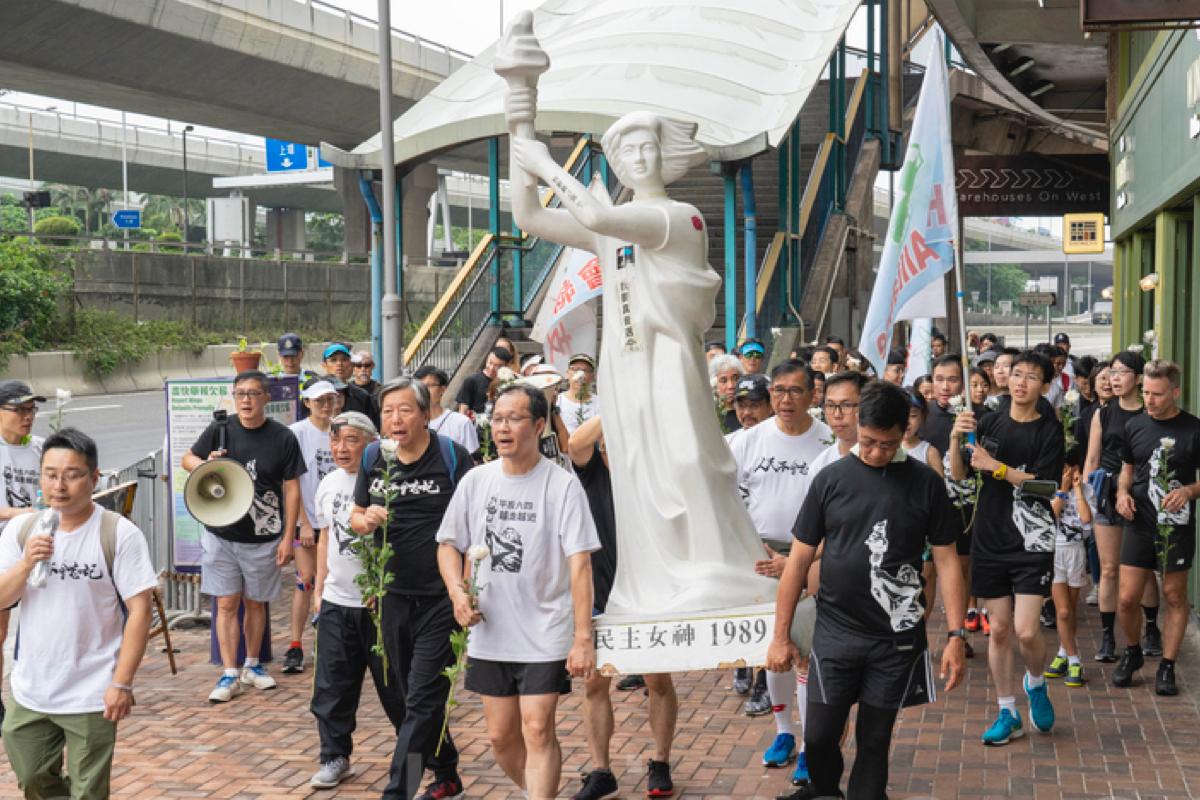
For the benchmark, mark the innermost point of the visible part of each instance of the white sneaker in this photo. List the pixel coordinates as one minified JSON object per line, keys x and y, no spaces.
{"x":1093,"y":597}
{"x":226,"y":689}
{"x":332,"y":773}
{"x":257,"y":677}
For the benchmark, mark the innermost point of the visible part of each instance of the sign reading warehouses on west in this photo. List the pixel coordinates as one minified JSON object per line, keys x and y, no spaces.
{"x":1031,"y":185}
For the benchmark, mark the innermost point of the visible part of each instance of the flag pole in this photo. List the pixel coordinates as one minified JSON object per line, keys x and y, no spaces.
{"x":959,"y":294}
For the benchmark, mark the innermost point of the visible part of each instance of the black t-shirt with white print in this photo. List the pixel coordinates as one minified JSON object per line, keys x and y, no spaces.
{"x":1142,"y":446}
{"x":1008,"y":526}
{"x":875,"y":523}
{"x":271,"y":454}
{"x":422,"y":491}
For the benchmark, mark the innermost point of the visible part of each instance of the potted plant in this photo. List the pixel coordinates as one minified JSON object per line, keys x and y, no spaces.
{"x":244,"y":358}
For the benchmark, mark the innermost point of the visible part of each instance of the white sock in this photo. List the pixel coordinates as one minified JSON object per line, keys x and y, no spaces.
{"x":251,"y":662}
{"x":1062,"y":652}
{"x":779,"y":689}
{"x":1073,"y":660}
{"x":1033,"y":681}
{"x":802,"y":703}
{"x":231,"y":673}
{"x":1008,"y":702}
{"x":972,"y":610}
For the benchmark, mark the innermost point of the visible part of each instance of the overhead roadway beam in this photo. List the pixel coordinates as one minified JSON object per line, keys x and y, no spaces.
{"x":1027,"y":24}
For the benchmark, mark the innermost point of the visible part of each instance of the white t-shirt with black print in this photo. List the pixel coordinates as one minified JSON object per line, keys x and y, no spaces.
{"x":19,"y":468}
{"x":334,"y":502}
{"x":318,"y":461}
{"x":774,"y":472}
{"x":457,"y":427}
{"x":531,"y":524}
{"x":71,"y":628}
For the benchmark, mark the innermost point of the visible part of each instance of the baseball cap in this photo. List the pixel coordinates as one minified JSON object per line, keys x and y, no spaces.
{"x":753,"y":387}
{"x":290,"y":345}
{"x":355,"y":419}
{"x":16,"y":392}
{"x":582,"y":357}
{"x":362,"y":356}
{"x":752,"y":346}
{"x":1061,"y":338}
{"x":317,"y":389}
{"x":984,"y":357}
{"x":335,"y":348}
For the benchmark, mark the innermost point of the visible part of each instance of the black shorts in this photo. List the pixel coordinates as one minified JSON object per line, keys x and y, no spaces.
{"x":514,"y":678}
{"x":846,"y":668}
{"x":962,"y":544}
{"x":1031,"y":573}
{"x":1144,"y":550}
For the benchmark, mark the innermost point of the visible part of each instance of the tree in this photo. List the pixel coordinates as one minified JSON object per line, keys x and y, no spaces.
{"x":1008,"y":281}
{"x":325,"y":232}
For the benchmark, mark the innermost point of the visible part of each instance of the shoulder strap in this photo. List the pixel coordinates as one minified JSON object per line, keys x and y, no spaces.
{"x":24,"y":528}
{"x":369,"y":455}
{"x":108,"y":538}
{"x":449,"y":457}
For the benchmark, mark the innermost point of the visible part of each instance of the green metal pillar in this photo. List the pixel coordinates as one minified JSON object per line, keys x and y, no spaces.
{"x":841,"y":126}
{"x":886,"y":156}
{"x":794,"y":212}
{"x":730,"y":231}
{"x":869,"y":97}
{"x":494,"y":217}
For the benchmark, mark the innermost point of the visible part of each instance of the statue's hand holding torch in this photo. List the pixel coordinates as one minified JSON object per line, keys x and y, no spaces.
{"x":520,"y":60}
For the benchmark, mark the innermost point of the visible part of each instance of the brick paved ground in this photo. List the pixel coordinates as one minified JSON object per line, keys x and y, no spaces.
{"x":1108,"y":742}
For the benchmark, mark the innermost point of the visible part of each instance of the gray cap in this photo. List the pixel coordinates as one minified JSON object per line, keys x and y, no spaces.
{"x":13,"y":392}
{"x":355,"y":419}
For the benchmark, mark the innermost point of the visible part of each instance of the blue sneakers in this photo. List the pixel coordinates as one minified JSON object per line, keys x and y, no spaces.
{"x":780,"y":753}
{"x":1041,"y":712}
{"x":800,"y":773}
{"x":1006,"y":728}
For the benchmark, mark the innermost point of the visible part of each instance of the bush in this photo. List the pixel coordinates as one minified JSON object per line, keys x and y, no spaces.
{"x":106,"y":340}
{"x":30,"y":286}
{"x":57,"y":226}
{"x":169,"y":236}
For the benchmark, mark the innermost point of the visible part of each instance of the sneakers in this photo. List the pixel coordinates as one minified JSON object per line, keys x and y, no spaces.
{"x":759,"y":704}
{"x":780,"y":753}
{"x":1131,"y":662}
{"x":1164,"y":680}
{"x":984,"y":625}
{"x":1006,"y":728}
{"x":1093,"y":597}
{"x":442,"y":789}
{"x":800,"y":773}
{"x":1041,"y":711}
{"x":972,"y":623}
{"x":597,"y":785}
{"x":742,"y":678}
{"x":658,"y":779}
{"x":1108,"y":648}
{"x":968,"y":651}
{"x":257,"y":677}
{"x":808,"y":792}
{"x":631,"y":682}
{"x":331,"y":773}
{"x":1057,"y":668}
{"x":293,"y":661}
{"x":226,"y":689}
{"x":1152,"y":640}
{"x":1075,"y":677}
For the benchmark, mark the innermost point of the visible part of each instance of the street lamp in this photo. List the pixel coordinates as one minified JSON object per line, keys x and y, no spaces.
{"x":185,"y":192}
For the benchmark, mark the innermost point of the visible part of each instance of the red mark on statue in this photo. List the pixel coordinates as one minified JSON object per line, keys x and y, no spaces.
{"x":697,"y":223}
{"x":591,"y":275}
{"x":565,"y":295}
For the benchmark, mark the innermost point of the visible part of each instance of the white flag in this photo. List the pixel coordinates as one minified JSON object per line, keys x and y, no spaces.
{"x":919,"y":248}
{"x":920,"y":348}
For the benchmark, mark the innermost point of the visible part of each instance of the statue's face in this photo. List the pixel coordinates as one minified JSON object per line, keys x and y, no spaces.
{"x":640,"y":154}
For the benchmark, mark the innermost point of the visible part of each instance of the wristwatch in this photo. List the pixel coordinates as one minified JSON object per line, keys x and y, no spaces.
{"x":960,"y":633}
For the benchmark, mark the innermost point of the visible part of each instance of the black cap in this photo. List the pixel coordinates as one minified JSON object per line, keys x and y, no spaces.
{"x":753,"y":387}
{"x":1061,"y":338}
{"x":17,"y":392}
{"x":290,"y":345}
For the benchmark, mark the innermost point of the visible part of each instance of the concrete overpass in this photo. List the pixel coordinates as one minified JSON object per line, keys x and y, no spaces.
{"x":298,"y":70}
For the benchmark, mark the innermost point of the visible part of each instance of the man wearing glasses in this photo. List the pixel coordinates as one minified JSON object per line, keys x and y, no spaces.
{"x":242,"y":561}
{"x":364,"y":373}
{"x":19,"y":455}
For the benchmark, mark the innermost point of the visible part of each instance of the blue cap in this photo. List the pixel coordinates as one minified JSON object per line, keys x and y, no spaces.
{"x":752,"y":346}
{"x":290,"y":345}
{"x":334,"y":349}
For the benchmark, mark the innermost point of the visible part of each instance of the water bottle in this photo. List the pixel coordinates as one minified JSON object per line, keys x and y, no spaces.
{"x":46,"y":525}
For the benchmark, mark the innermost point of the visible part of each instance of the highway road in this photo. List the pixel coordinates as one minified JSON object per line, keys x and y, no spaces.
{"x":125,"y":426}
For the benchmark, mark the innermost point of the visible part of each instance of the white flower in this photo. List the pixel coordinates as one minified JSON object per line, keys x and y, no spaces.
{"x":62,"y":397}
{"x":478,"y":552}
{"x":1167,"y":443}
{"x":388,"y":447}
{"x":483,"y":420}
{"x":992,"y":402}
{"x":853,"y":364}
{"x":814,"y":412}
{"x":957,"y":404}
{"x":1150,"y":337}
{"x":578,"y":375}
{"x":1071,"y":397}
{"x":1135,"y":348}
{"x":505,"y":375}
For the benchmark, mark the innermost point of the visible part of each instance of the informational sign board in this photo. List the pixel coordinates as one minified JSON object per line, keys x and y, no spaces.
{"x":1030,"y":299}
{"x":718,"y":639}
{"x":286,"y":156}
{"x":1083,"y":233}
{"x":127,"y":219}
{"x":1031,"y":185}
{"x":190,"y":406}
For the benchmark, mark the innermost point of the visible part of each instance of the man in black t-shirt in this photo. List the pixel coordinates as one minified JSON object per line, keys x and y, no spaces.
{"x":472,"y":397}
{"x":406,"y":485}
{"x":1156,"y":493}
{"x":874,"y":511}
{"x":1012,"y":554}
{"x":242,"y":562}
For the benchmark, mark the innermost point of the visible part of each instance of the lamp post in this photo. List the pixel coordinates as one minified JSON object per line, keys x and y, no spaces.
{"x":186,"y":130}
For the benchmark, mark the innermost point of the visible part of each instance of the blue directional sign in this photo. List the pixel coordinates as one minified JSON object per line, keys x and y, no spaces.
{"x":286,"y":156}
{"x":129,"y":219}
{"x":321,"y":162}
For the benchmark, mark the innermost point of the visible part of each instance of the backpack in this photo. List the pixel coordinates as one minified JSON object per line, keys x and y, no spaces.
{"x":445,"y":444}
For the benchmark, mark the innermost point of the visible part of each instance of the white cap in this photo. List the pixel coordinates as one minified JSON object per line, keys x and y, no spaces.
{"x":317,"y":389}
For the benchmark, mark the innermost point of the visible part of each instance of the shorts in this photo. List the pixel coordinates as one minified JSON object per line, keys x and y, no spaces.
{"x":1030,"y":573}
{"x":316,"y":537}
{"x":1105,"y":510}
{"x":1071,"y":564}
{"x":1144,"y":550}
{"x":846,"y":668}
{"x":230,"y":568}
{"x":515,"y":678}
{"x":962,"y":544}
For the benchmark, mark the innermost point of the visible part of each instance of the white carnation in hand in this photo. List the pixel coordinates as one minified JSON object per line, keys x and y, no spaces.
{"x":1071,"y":397}
{"x":388,"y":447}
{"x":957,"y":404}
{"x":1150,"y":336}
{"x":62,"y":396}
{"x":1167,"y":443}
{"x":478,"y":552}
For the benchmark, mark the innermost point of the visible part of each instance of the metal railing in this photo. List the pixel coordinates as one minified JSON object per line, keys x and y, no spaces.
{"x":151,"y":503}
{"x":178,"y":247}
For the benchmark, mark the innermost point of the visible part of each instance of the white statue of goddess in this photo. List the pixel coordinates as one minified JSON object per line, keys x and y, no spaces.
{"x":684,"y":538}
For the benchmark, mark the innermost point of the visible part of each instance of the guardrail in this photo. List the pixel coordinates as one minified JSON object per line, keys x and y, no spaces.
{"x":353,"y":18}
{"x":223,"y":249}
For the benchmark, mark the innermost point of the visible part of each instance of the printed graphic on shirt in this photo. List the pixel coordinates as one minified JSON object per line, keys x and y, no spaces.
{"x":325,"y":463}
{"x":770,"y":464}
{"x":414,"y":486}
{"x":502,"y":539}
{"x":76,"y":571}
{"x":898,"y":595}
{"x":252,"y":468}
{"x":1034,"y":521}
{"x":1157,"y":495}
{"x":1071,"y":526}
{"x":337,"y":522}
{"x":19,"y":486}
{"x":959,"y":492}
{"x":266,"y":515}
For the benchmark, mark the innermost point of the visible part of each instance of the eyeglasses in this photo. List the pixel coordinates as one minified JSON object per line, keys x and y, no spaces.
{"x":69,"y":476}
{"x":27,"y":411}
{"x":756,"y":356}
{"x":838,"y":409}
{"x":793,"y":392}
{"x":364,"y":366}
{"x":1112,"y":372}
{"x":325,"y":399}
{"x":509,"y":421}
{"x":248,"y":394}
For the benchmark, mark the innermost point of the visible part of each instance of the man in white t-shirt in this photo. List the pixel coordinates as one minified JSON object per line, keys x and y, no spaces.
{"x":83,"y":632}
{"x":774,"y":462}
{"x":19,"y":455}
{"x":345,"y":630}
{"x":579,"y":403}
{"x":531,"y":626}
{"x":450,"y":424}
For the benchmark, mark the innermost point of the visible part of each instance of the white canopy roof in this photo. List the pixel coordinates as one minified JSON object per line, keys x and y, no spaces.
{"x":739,"y":69}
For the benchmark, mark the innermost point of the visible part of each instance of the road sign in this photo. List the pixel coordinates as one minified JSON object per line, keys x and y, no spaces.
{"x":1029,"y":299}
{"x":286,"y":156}
{"x":1030,"y":185}
{"x":1083,"y":233}
{"x":128,"y":219}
